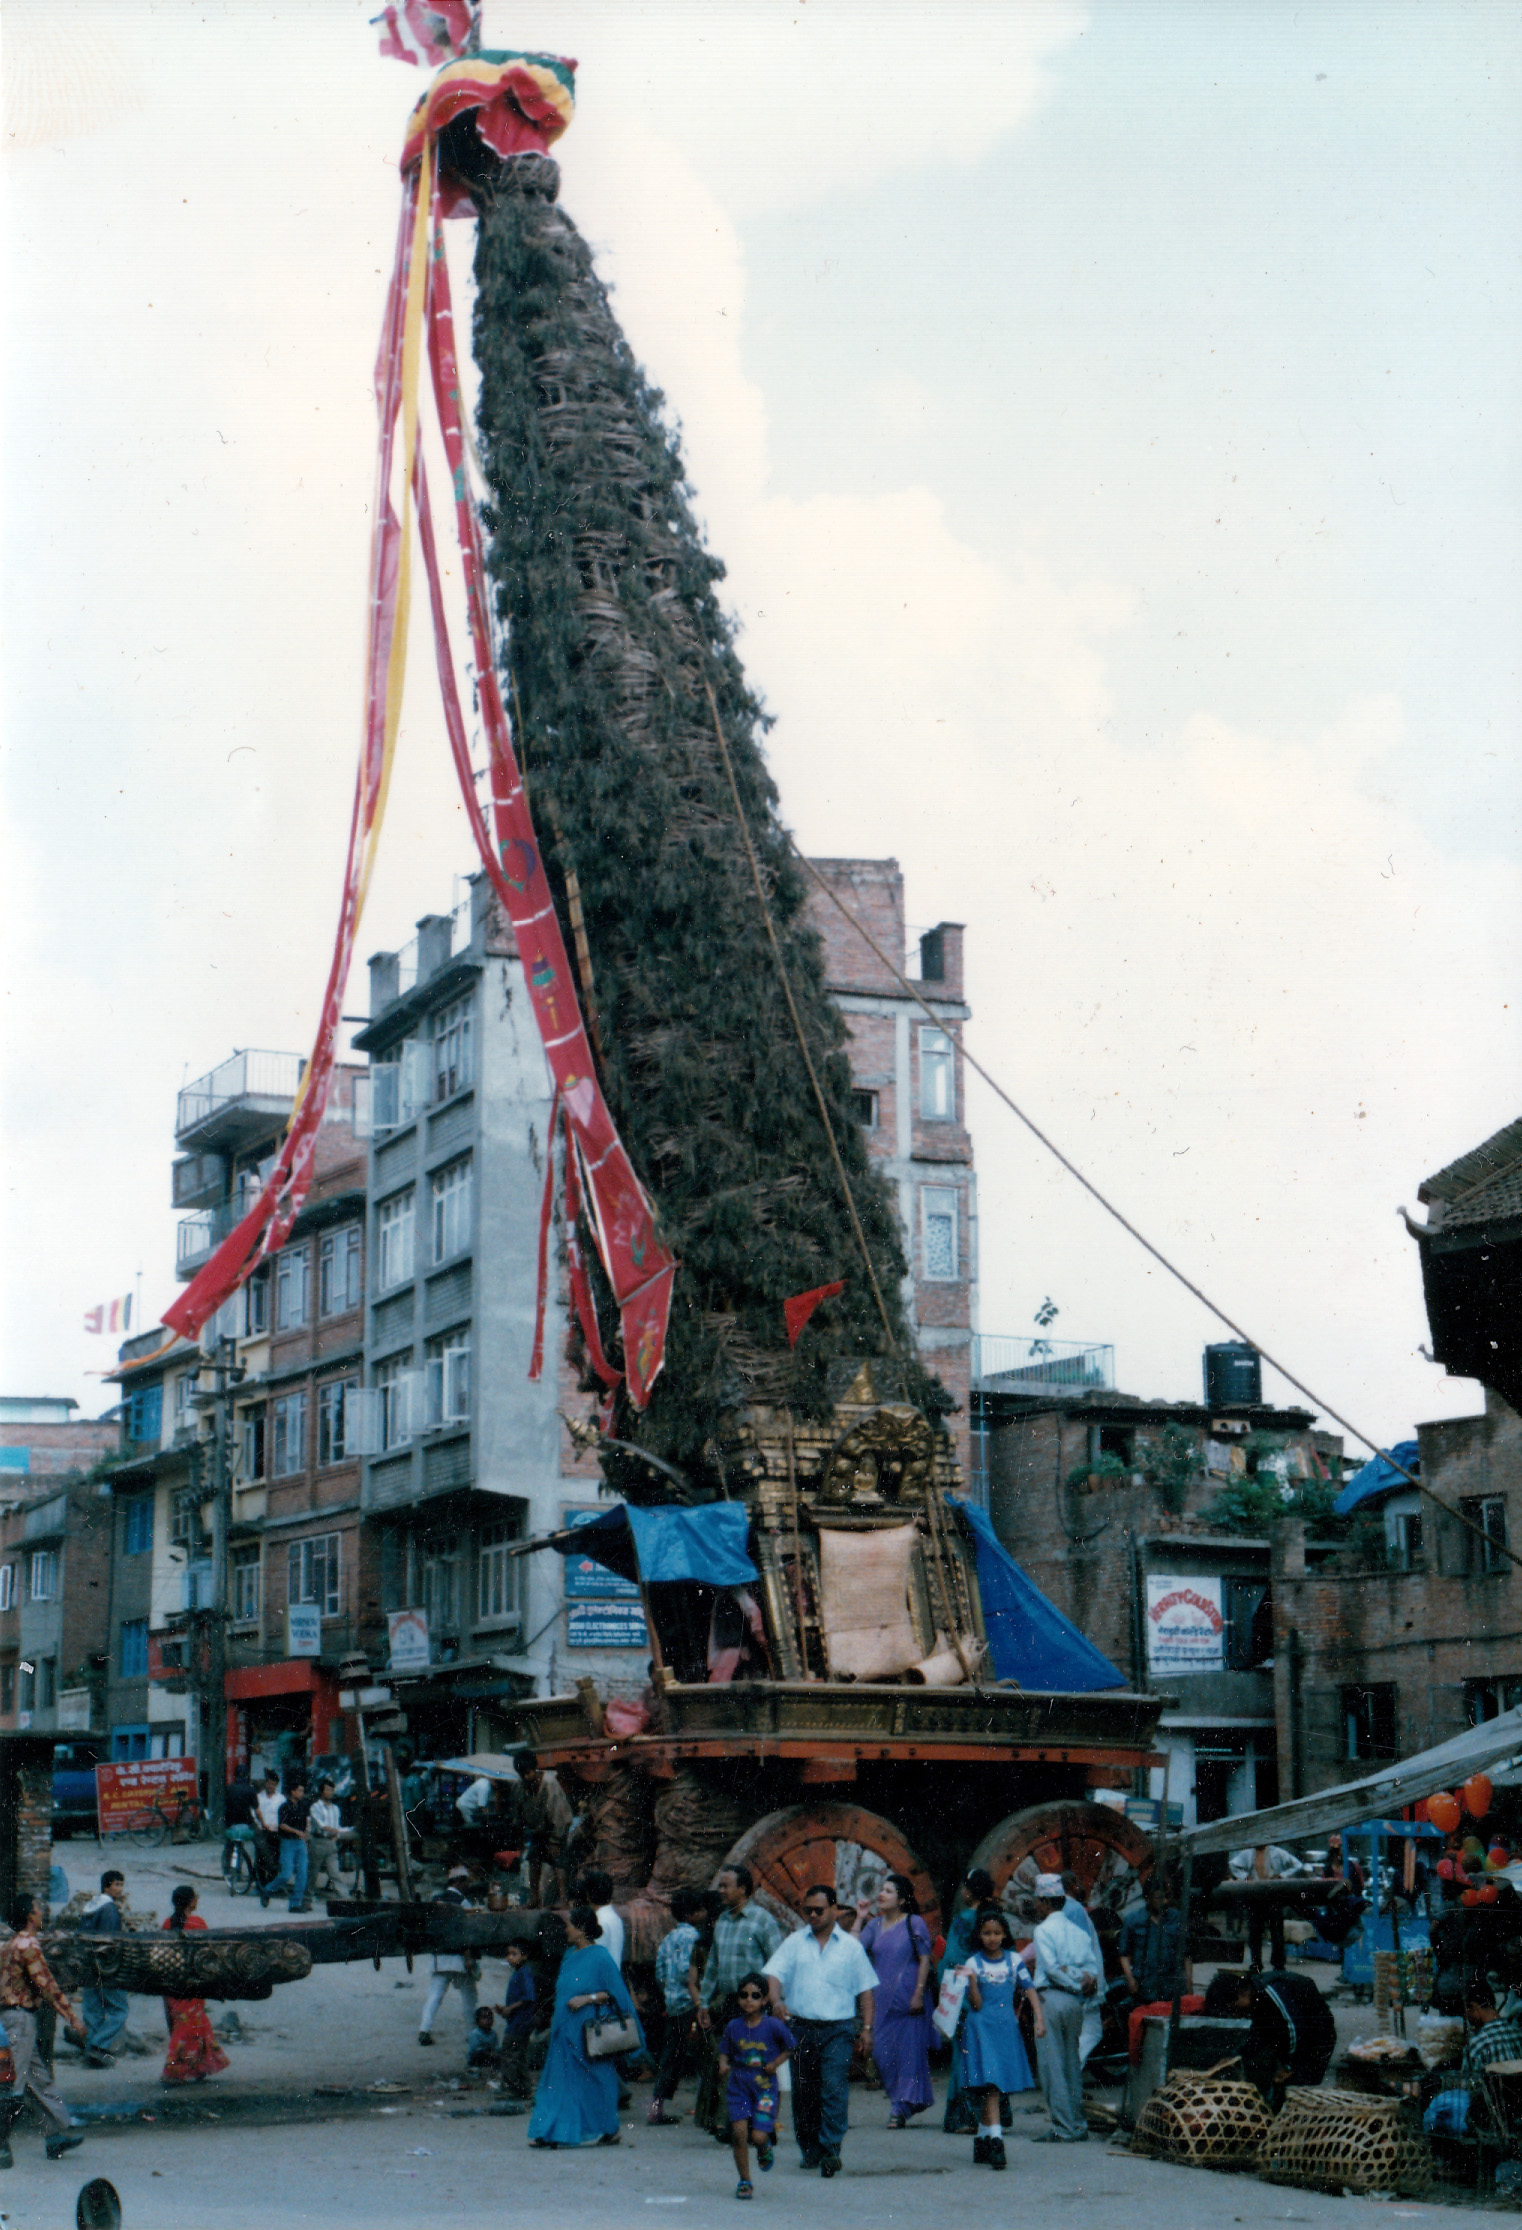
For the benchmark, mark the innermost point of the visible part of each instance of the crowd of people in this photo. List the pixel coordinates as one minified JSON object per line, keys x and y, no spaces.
{"x":751,"y":2010}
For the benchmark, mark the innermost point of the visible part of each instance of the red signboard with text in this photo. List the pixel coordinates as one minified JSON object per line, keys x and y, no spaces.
{"x":131,"y":1785}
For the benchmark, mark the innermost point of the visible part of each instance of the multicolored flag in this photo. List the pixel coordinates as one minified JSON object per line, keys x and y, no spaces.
{"x":429,"y":32}
{"x":110,"y":1316}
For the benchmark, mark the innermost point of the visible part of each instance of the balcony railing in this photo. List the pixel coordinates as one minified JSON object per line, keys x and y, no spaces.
{"x":197,"y":1237}
{"x":261,"y":1082}
{"x":1026,"y":1366}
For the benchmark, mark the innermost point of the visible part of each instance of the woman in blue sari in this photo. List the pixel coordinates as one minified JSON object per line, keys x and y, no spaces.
{"x":577,"y":2098}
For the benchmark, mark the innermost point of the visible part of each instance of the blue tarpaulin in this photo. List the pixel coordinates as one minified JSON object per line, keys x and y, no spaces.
{"x":1379,"y":1476}
{"x":1028,"y":1637}
{"x":706,"y":1544}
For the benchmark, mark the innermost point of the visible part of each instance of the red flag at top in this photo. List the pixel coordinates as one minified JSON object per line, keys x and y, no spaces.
{"x":428,"y":32}
{"x":801,"y":1307}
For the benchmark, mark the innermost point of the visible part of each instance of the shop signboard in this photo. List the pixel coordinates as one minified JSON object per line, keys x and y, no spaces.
{"x":606,"y":1626}
{"x":1186,"y":1626}
{"x":130,"y":1786}
{"x":409,"y":1641}
{"x":303,"y":1629}
{"x":586,"y":1581}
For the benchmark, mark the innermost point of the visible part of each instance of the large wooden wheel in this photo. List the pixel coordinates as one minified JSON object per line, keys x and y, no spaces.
{"x":1109,"y":1854}
{"x":839,"y":1847}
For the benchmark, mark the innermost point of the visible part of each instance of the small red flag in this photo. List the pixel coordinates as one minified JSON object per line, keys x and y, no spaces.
{"x":801,"y":1307}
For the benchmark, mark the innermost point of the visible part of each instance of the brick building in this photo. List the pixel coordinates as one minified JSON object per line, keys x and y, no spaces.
{"x":55,"y":1567}
{"x":1105,"y":1499}
{"x":40,"y":1437}
{"x":911,"y":1104}
{"x":1413,"y":1631}
{"x":158,"y":1553}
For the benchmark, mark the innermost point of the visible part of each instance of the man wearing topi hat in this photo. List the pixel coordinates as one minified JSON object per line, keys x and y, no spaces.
{"x":1067,"y":1976}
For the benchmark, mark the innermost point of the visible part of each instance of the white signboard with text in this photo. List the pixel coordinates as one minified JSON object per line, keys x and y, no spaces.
{"x":1186,"y":1626}
{"x":303,"y":1630}
{"x":409,"y":1641}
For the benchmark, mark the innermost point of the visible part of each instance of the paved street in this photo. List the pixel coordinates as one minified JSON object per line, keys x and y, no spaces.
{"x":427,"y":2153}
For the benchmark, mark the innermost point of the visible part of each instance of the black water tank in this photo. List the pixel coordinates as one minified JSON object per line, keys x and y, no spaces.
{"x":1233,"y":1375}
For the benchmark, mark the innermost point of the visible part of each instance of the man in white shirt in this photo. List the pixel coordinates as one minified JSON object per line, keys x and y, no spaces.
{"x":822,"y":1983}
{"x":596,"y":1890}
{"x":473,"y":1800}
{"x":268,"y":1806}
{"x":324,"y":1825}
{"x":452,"y":1970}
{"x":1065,"y":1964}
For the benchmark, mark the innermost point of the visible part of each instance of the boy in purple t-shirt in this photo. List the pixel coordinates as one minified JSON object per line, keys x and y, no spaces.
{"x":753,"y":2048}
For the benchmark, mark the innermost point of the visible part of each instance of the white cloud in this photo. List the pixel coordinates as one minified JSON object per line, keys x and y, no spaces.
{"x":1231,"y":974}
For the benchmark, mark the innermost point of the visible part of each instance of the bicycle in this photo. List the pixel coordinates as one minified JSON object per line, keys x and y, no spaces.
{"x":239,"y":1870}
{"x":156,"y":1825}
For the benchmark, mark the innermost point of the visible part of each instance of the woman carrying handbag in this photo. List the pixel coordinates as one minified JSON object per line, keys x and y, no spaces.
{"x":594,"y":2021}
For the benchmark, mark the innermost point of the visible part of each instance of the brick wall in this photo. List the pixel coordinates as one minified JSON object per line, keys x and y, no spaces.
{"x":1438,"y":1636}
{"x":26,"y":1814}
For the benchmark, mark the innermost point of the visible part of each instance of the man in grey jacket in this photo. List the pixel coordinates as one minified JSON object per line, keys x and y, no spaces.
{"x":1067,"y":1973}
{"x":105,"y":2010}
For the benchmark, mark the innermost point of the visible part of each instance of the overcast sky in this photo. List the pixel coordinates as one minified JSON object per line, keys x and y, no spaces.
{"x":1109,"y":418}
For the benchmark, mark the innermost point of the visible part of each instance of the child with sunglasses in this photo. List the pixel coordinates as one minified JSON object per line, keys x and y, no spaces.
{"x":754,"y":2046}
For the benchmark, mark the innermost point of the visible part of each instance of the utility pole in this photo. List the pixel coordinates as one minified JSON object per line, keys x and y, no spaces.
{"x":227,"y":1372}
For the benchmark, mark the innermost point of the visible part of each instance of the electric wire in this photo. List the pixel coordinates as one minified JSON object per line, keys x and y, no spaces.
{"x":1214,"y":1307}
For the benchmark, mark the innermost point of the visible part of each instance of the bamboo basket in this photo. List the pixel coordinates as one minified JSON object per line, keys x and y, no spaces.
{"x":1339,"y":2141}
{"x":1198,"y":2121}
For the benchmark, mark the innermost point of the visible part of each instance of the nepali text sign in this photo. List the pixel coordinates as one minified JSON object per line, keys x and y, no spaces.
{"x":409,"y":1641}
{"x":606,"y":1626}
{"x":587,"y":1581}
{"x":125,"y":1790}
{"x":1186,"y":1628}
{"x":303,"y":1630}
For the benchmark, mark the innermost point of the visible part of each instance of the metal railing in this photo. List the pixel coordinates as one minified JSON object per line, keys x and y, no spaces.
{"x":271,"y":1076}
{"x":200,"y":1235}
{"x":1018,"y":1365}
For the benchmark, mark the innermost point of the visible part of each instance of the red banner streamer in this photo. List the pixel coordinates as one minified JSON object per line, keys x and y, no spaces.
{"x":639,"y":1268}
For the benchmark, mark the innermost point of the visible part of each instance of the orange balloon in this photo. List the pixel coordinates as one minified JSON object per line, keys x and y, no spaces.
{"x":1470,"y":1897}
{"x":1444,"y":1811}
{"x":1490,"y":1894}
{"x":1477,"y":1794}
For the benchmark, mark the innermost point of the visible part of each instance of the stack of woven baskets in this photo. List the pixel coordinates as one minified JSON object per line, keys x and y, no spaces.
{"x":1322,"y":2141}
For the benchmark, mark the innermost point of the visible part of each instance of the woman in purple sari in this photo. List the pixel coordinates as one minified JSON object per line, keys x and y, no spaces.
{"x":897,"y":1942}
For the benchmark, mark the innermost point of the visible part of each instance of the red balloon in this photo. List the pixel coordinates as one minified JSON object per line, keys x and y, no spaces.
{"x":1444,"y":1811}
{"x":1498,"y":1855}
{"x":1445,"y":1869}
{"x":1490,"y":1894}
{"x":1470,"y":1897}
{"x":1477,"y":1793}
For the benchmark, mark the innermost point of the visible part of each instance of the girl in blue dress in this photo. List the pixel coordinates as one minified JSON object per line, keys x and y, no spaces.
{"x":993,"y":2057}
{"x":577,"y":2098}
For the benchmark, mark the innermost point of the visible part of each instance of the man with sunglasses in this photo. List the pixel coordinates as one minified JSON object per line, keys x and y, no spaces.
{"x":822,"y":1984}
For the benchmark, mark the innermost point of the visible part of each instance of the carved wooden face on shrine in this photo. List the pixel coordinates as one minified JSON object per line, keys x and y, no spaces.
{"x":882,"y":1462}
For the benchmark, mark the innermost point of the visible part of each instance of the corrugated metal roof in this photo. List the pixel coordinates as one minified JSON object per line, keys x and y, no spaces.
{"x":1483,"y":1186}
{"x":1377,"y":1796}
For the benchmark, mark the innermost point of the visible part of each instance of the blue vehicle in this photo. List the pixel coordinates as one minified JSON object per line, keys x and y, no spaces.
{"x":74,"y":1761}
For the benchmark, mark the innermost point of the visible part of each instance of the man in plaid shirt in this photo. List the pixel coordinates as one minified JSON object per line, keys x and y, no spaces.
{"x":1497,"y":2036}
{"x":744,"y":1938}
{"x":675,"y":1960}
{"x":26,"y":1986}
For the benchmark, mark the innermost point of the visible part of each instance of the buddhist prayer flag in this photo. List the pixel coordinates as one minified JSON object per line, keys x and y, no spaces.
{"x":110,"y":1316}
{"x":801,"y":1307}
{"x":428,"y":32}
